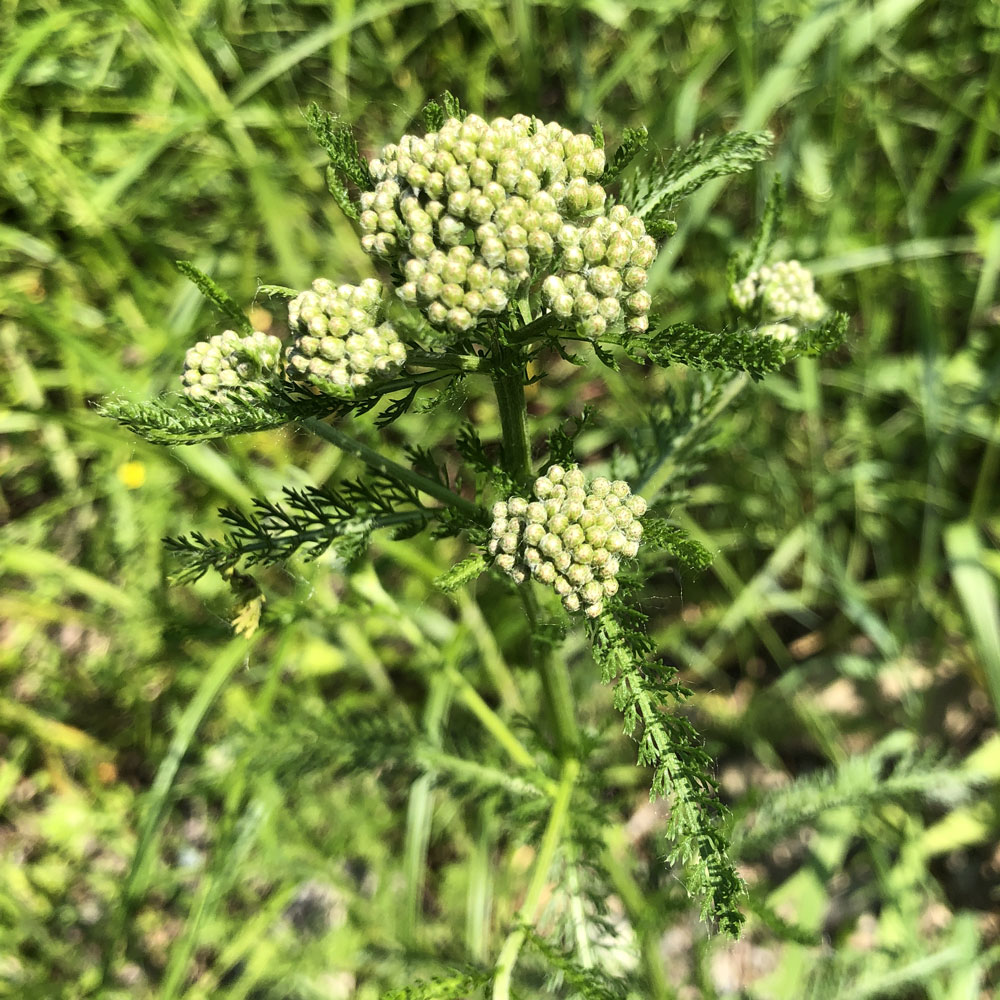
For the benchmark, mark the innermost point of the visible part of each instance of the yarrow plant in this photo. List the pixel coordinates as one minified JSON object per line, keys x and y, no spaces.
{"x":497,"y":243}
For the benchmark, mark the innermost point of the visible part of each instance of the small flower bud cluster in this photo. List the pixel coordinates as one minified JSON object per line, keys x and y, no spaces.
{"x":602,"y":273}
{"x":339,"y":344}
{"x":785,"y":291}
{"x":230,"y":362}
{"x":471,"y":210}
{"x":571,"y":536}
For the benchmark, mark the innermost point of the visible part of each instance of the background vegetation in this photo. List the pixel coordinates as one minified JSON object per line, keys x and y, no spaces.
{"x":172,"y":818}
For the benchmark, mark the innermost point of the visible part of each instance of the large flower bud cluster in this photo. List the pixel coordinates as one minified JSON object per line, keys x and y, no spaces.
{"x":340,"y":346}
{"x":472,"y":210}
{"x":571,"y":536}
{"x":228,"y":362}
{"x":784,"y":290}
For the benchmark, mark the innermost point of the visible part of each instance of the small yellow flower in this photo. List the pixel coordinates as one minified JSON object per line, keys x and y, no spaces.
{"x":132,"y":474}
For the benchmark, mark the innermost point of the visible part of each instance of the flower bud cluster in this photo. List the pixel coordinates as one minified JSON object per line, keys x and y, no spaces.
{"x":571,"y":536}
{"x":471,"y":211}
{"x":229,"y":362}
{"x":339,"y":345}
{"x":602,"y":273}
{"x":785,"y":291}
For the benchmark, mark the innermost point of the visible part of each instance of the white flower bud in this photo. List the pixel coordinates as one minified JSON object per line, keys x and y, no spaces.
{"x":550,"y":545}
{"x":536,"y":511}
{"x":636,"y":504}
{"x":506,"y":562}
{"x":534,"y":533}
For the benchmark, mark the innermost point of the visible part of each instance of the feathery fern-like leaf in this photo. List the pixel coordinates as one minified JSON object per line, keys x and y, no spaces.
{"x":215,"y":294}
{"x":176,"y":420}
{"x":682,"y":768}
{"x":741,"y":349}
{"x":311,"y":519}
{"x":633,"y":142}
{"x":657,"y":190}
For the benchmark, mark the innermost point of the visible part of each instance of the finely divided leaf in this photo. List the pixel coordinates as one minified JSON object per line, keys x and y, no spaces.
{"x":633,"y":140}
{"x":433,"y":116}
{"x":310,"y":520}
{"x":164,"y":422}
{"x":347,"y":165}
{"x":589,"y":983}
{"x":469,"y":569}
{"x":732,"y":350}
{"x":452,"y":107}
{"x":221,"y":299}
{"x":446,"y":988}
{"x":820,"y":339}
{"x":682,"y":768}
{"x":659,"y":535}
{"x":667,"y":182}
{"x":770,"y":224}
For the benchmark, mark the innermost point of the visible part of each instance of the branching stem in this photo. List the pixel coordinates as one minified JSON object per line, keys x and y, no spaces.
{"x":448,"y":362}
{"x":658,"y":476}
{"x":378,"y":461}
{"x":497,"y":728}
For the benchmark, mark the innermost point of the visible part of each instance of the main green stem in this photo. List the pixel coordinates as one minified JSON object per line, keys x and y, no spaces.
{"x":508,"y":383}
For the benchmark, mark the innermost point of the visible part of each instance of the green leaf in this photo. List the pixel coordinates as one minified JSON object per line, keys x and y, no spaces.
{"x":277,"y":292}
{"x":469,"y":569}
{"x":682,"y":768}
{"x":667,"y":182}
{"x":770,"y":224}
{"x":741,"y":349}
{"x":821,"y":339}
{"x":221,"y":299}
{"x":452,"y":107}
{"x":340,"y":194}
{"x":337,"y":138}
{"x":443,"y":988}
{"x":659,"y":535}
{"x":433,"y":115}
{"x":633,"y":140}
{"x":660,"y":227}
{"x":589,"y":983}
{"x":977,"y":592}
{"x":176,"y":420}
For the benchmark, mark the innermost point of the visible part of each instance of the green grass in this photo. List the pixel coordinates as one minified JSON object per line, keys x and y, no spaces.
{"x":172,"y":820}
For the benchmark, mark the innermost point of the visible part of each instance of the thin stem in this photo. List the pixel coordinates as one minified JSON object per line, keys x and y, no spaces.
{"x":555,"y":683}
{"x":496,"y":727}
{"x":526,"y":914}
{"x":658,"y":477}
{"x":378,"y":461}
{"x":448,"y":362}
{"x":638,"y":909}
